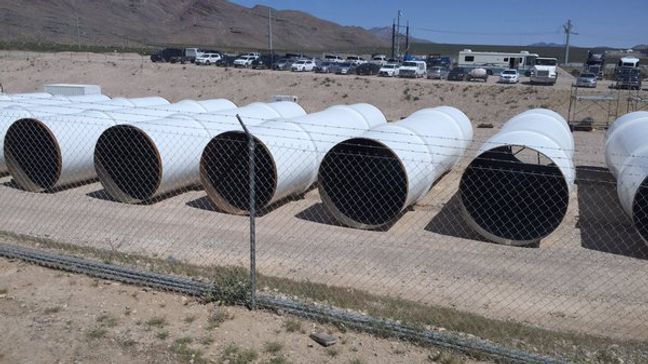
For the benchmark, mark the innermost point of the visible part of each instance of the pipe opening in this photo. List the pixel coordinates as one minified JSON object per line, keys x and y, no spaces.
{"x":363,"y":182}
{"x":33,"y":155}
{"x":128,"y":163}
{"x":640,"y":210}
{"x":514,"y":194}
{"x":226,"y":175}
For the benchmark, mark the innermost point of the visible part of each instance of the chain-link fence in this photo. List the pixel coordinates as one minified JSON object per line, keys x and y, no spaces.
{"x":501,"y":244}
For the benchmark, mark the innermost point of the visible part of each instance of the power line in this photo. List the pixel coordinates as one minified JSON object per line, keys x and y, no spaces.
{"x":510,"y":34}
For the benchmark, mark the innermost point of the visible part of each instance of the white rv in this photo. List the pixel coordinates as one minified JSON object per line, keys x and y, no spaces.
{"x":544,"y":71}
{"x":496,"y":62}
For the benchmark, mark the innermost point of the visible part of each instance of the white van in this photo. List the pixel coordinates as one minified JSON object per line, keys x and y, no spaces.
{"x":412,"y":69}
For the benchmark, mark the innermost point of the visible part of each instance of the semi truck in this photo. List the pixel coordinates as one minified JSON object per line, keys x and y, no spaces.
{"x":544,"y":71}
{"x":595,"y":63}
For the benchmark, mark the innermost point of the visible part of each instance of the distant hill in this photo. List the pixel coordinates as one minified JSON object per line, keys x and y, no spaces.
{"x":543,"y":44}
{"x":385,"y":33}
{"x":640,"y":47}
{"x":213,"y":23}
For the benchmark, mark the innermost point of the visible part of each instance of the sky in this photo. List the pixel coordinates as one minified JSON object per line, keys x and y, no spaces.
{"x":619,"y":24}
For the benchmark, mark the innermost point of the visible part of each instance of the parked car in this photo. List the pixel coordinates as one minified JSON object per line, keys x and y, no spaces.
{"x":191,"y":54}
{"x":303,"y":65}
{"x":389,"y":70}
{"x":368,"y":69}
{"x":379,"y":59}
{"x":263,"y":63}
{"x":629,"y":78}
{"x":166,"y":54}
{"x":509,"y":76}
{"x":282,"y":64}
{"x":355,"y":60}
{"x":457,"y":74}
{"x":478,"y":74}
{"x":226,"y":61}
{"x":208,"y":59}
{"x":413,"y":69}
{"x":438,"y":73}
{"x":324,"y":67}
{"x":245,"y":61}
{"x":586,"y":80}
{"x":439,"y":61}
{"x":345,"y":68}
{"x":333,"y":58}
{"x":295,"y":56}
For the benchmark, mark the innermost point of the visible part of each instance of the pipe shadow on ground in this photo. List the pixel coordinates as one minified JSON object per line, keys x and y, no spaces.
{"x":12,"y":184}
{"x":318,"y":213}
{"x":603,"y":224}
{"x":206,"y":204}
{"x":102,"y":194}
{"x":450,"y":222}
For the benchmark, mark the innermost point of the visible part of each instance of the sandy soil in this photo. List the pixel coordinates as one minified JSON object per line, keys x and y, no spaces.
{"x":53,"y":317}
{"x":588,"y":276}
{"x":130,"y":75}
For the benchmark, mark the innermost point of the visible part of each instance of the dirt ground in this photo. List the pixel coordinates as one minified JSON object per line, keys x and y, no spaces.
{"x":588,"y":276}
{"x":49,"y":316}
{"x":130,"y":75}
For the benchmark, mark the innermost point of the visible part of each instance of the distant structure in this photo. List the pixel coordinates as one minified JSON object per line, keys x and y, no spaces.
{"x":397,"y":36}
{"x":569,"y":30}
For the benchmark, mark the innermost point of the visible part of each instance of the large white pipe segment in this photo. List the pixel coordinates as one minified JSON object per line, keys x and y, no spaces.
{"x":23,"y":97}
{"x":516,"y":190}
{"x":14,"y":109}
{"x":139,"y":162}
{"x":45,"y":99}
{"x":69,"y":141}
{"x":44,"y":146}
{"x":626,"y":155}
{"x":368,"y":181}
{"x":287,"y":155}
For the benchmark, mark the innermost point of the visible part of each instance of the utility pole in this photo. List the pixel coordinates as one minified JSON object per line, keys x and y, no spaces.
{"x":393,"y":48}
{"x":270,"y":30}
{"x":78,"y":31}
{"x":398,"y":34}
{"x":569,"y":30}
{"x":407,"y":44}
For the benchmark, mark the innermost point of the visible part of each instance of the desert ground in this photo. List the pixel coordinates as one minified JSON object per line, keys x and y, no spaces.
{"x":54,"y":317}
{"x":588,"y":276}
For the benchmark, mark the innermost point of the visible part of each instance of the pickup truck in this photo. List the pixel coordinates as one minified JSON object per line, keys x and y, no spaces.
{"x":245,"y":60}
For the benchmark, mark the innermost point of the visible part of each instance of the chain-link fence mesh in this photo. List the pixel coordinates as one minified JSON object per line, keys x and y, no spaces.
{"x":501,"y":246}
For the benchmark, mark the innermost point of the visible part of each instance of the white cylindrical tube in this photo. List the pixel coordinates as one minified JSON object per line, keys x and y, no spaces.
{"x":287,"y":155}
{"x":69,"y":141}
{"x":13,"y":110}
{"x":368,"y":181}
{"x":169,"y":149}
{"x":516,"y":191}
{"x":43,"y":146}
{"x":626,"y":155}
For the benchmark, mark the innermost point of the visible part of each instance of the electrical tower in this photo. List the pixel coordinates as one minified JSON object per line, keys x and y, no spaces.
{"x":397,"y":35}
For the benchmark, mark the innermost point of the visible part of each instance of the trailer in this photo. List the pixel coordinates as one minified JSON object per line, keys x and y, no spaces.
{"x":496,"y":62}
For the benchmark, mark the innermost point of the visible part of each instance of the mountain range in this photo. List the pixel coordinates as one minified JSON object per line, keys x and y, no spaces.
{"x":134,"y":23}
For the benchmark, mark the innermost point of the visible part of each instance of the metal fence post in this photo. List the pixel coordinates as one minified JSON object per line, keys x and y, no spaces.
{"x":252,"y":216}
